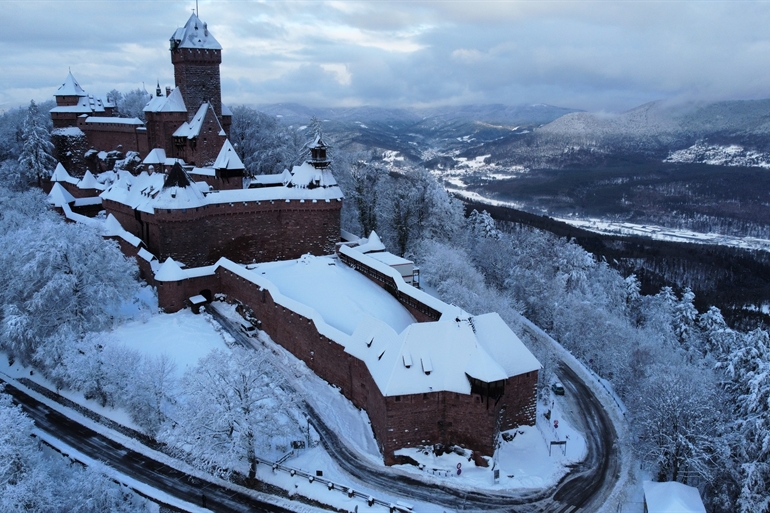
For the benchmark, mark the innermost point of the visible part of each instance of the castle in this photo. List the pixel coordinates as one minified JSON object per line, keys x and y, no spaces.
{"x":189,"y":122}
{"x":426,"y":372}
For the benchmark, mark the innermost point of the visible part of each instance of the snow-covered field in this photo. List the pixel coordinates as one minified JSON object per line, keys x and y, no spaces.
{"x":662,"y":233}
{"x":631,"y":229}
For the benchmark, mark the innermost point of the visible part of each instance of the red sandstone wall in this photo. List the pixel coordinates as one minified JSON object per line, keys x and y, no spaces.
{"x":196,"y":74}
{"x":108,"y":137}
{"x":251,"y":232}
{"x":410,"y":420}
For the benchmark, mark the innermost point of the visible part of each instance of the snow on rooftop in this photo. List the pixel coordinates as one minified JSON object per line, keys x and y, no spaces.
{"x":390,"y":259}
{"x":436,"y":356}
{"x":171,"y":103}
{"x":373,"y":243}
{"x":170,"y":271}
{"x":307,"y":175}
{"x":340,"y":294}
{"x":59,"y":196}
{"x":143,"y":193}
{"x":195,"y":34}
{"x":155,"y":157}
{"x":71,"y":131}
{"x":89,"y":182}
{"x":403,"y":356}
{"x":193,"y":128}
{"x":119,"y":121}
{"x":228,"y":158}
{"x":85,"y":105}
{"x":61,"y":175}
{"x":672,"y":497}
{"x":70,"y":87}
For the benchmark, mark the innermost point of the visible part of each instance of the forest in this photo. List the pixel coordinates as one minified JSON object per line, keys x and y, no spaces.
{"x":697,"y":389}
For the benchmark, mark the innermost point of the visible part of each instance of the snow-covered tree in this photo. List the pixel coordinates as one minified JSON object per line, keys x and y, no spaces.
{"x":263,"y":143}
{"x":36,"y":160}
{"x":676,"y":417}
{"x":60,"y":281}
{"x":30,"y":482}
{"x":232,"y":404}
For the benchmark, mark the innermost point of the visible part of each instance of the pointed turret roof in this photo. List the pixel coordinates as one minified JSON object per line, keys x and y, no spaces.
{"x":228,"y":158}
{"x":170,"y":271}
{"x":177,"y":177}
{"x":70,"y":87}
{"x":195,"y":34}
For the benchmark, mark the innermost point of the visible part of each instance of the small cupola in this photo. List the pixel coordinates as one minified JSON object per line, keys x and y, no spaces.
{"x":318,"y":157}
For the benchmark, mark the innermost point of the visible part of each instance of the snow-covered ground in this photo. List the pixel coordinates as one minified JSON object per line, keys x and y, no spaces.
{"x":524,"y":462}
{"x":631,"y":229}
{"x":717,"y":155}
{"x":662,"y":233}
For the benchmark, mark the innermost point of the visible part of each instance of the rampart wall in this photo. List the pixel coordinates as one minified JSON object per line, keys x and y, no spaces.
{"x":245,"y":232}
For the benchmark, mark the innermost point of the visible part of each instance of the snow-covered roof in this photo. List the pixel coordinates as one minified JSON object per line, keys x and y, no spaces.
{"x":228,"y":158}
{"x":59,"y":196}
{"x":71,"y":131}
{"x":113,"y":228}
{"x":85,"y":105}
{"x":61,"y":175}
{"x":156,"y":156}
{"x":672,"y":497}
{"x":171,"y":103}
{"x":89,"y":182}
{"x":170,"y":271}
{"x":195,"y":34}
{"x":372,"y":243}
{"x":271,"y":180}
{"x":193,"y":128}
{"x":307,"y":175}
{"x":226,"y":110}
{"x":70,"y":87}
{"x":390,"y":259}
{"x":143,"y":192}
{"x":203,"y":171}
{"x":116,"y":120}
{"x":403,"y":356}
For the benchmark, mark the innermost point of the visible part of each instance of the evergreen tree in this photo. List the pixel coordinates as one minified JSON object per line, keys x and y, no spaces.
{"x":36,"y":160}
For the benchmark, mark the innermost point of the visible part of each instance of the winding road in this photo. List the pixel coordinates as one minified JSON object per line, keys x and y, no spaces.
{"x":583,"y":489}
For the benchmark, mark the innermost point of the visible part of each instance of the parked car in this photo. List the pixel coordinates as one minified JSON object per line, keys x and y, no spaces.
{"x":557,"y":388}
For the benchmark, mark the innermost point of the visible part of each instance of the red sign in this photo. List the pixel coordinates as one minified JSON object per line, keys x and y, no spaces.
{"x":459,"y":465}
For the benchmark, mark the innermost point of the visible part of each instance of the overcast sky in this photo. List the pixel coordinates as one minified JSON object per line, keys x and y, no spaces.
{"x":597,"y":56}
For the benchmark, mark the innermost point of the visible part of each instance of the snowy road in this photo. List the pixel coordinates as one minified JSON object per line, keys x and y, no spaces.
{"x":133,"y":464}
{"x":583,"y":489}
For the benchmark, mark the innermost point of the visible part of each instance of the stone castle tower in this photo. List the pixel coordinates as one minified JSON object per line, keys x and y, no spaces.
{"x":196,"y":56}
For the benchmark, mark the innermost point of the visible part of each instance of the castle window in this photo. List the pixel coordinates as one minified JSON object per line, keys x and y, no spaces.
{"x":398,"y":399}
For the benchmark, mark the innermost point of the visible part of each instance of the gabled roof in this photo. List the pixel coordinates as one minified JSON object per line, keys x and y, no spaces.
{"x":672,"y":497}
{"x":194,"y":34}
{"x":171,"y":103}
{"x":156,"y":156}
{"x":70,"y":87}
{"x":192,"y":129}
{"x":228,"y":158}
